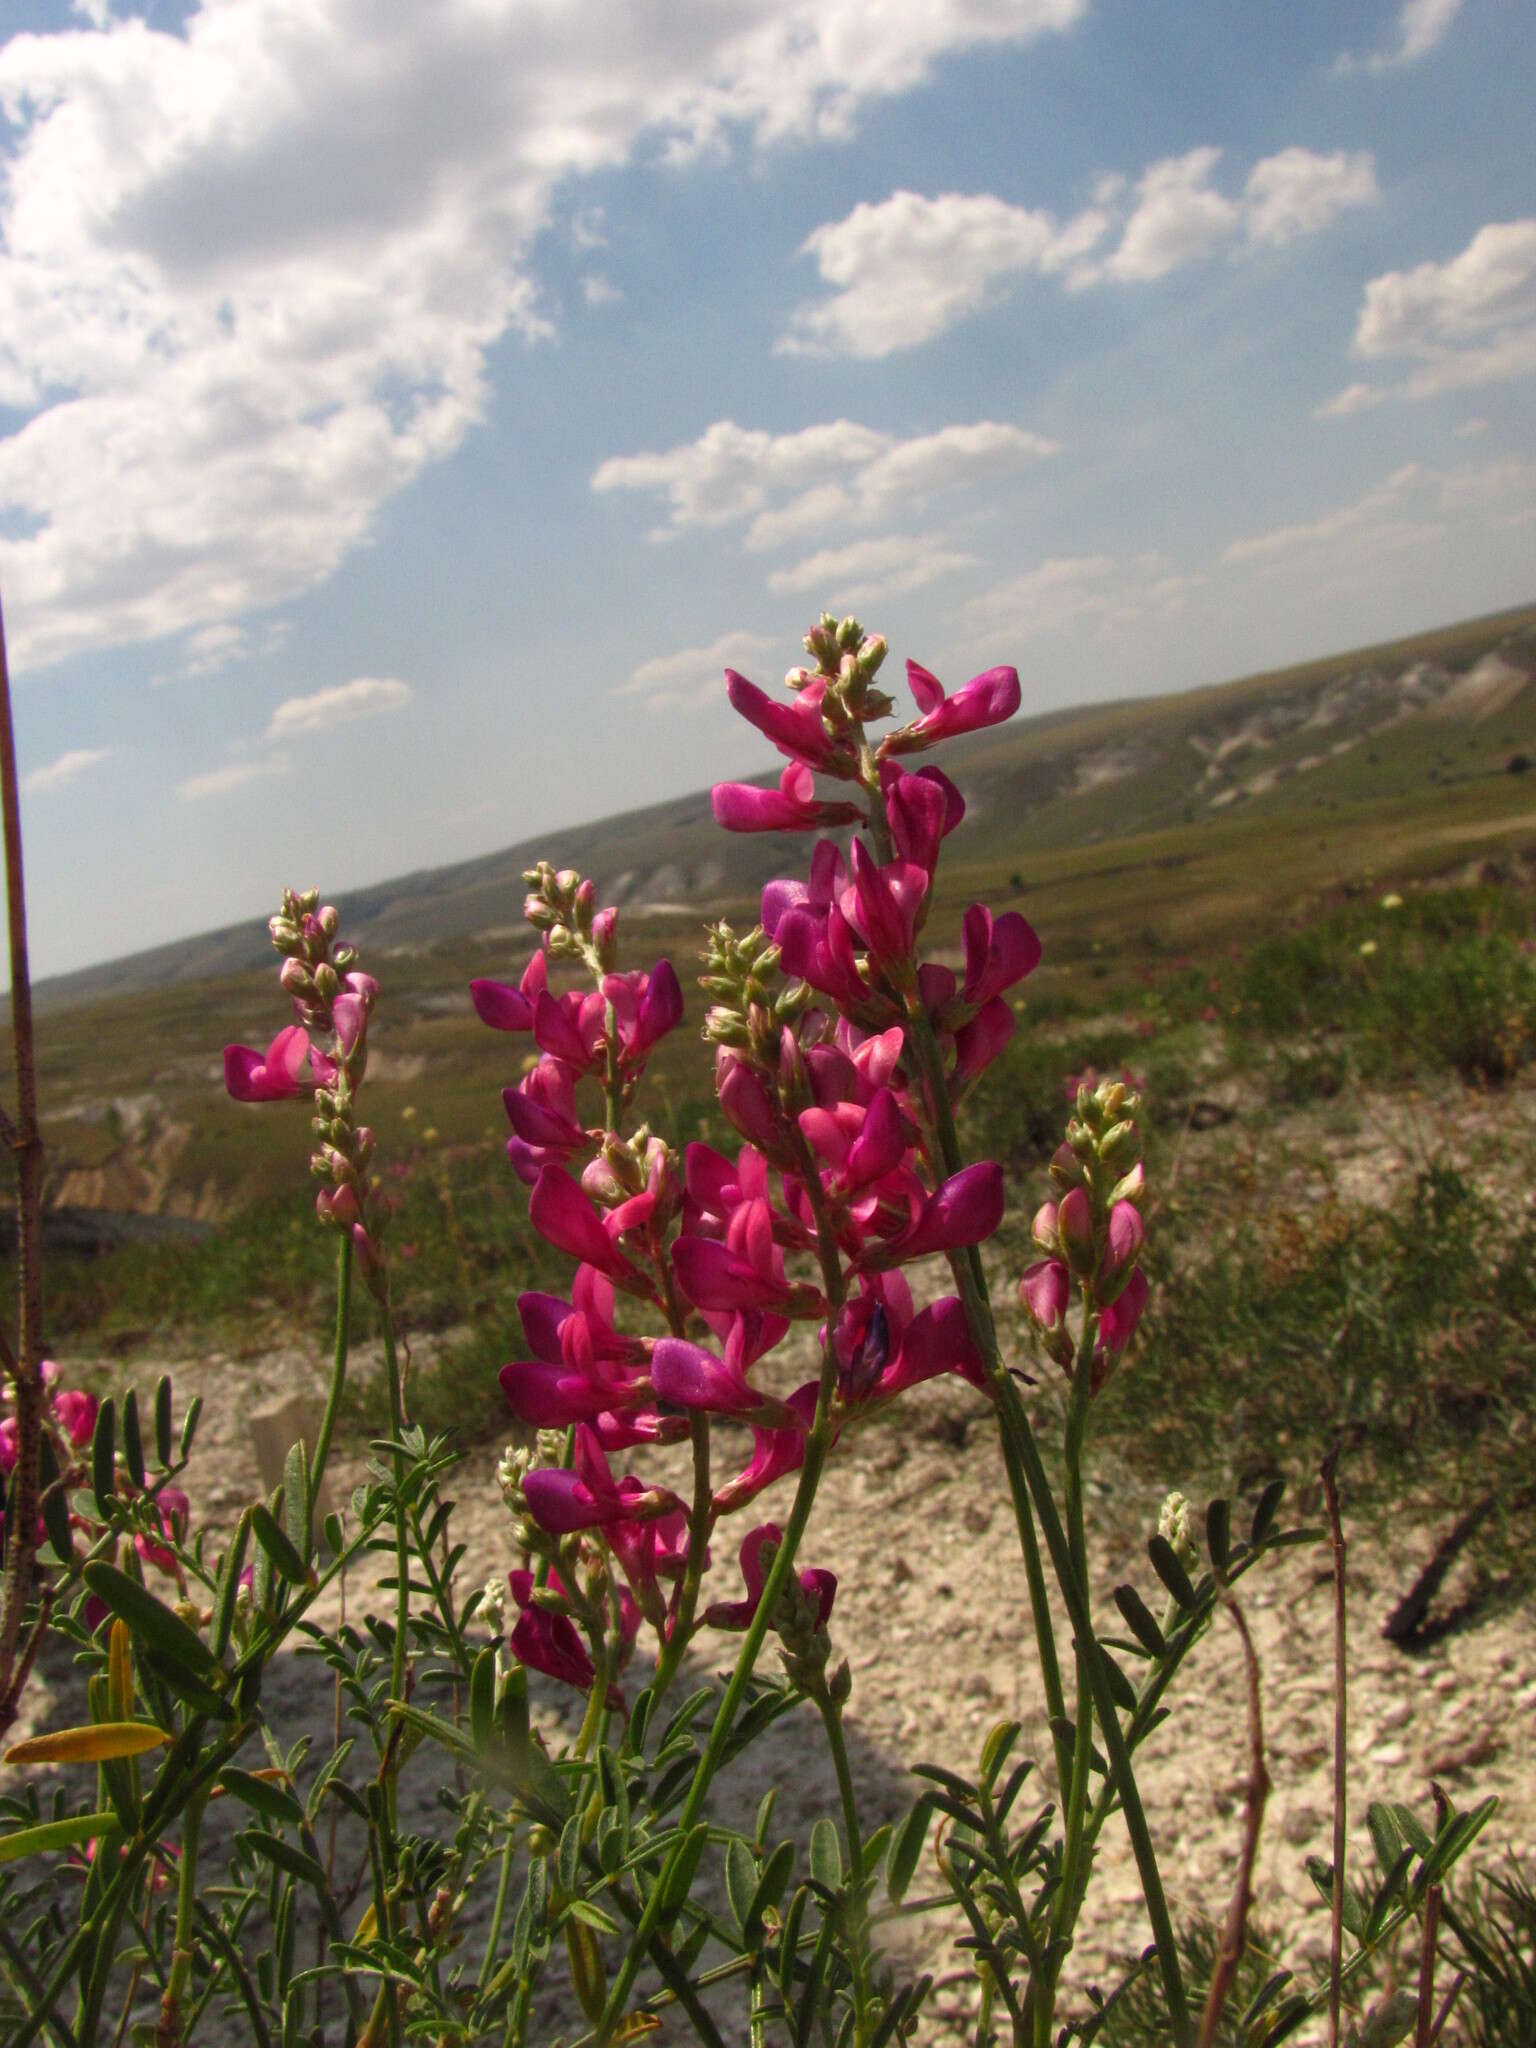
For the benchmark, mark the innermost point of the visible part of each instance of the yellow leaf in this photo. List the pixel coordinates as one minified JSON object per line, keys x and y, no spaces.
{"x":120,"y":1670}
{"x":634,"y":2027}
{"x":97,"y":1743}
{"x":587,"y":1973}
{"x":367,"y":1927}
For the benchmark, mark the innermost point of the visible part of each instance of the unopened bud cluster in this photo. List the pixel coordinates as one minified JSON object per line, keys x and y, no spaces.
{"x":1092,"y":1234}
{"x":847,"y":659}
{"x":750,"y":1001}
{"x":563,"y":906}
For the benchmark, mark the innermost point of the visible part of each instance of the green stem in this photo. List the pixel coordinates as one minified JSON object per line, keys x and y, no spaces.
{"x":856,"y":1926}
{"x":402,"y":1548}
{"x":1074,"y":1863}
{"x":817,"y":1444}
{"x":186,"y":1914}
{"x":701,"y":1520}
{"x":1027,"y":1474}
{"x":338,"y":1374}
{"x":499,"y":1910}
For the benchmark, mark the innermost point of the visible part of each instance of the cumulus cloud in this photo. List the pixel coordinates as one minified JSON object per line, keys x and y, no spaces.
{"x":691,"y":677}
{"x":866,"y":570}
{"x":1421,"y":25}
{"x":1065,"y":592}
{"x":1463,"y":323}
{"x":234,"y":329}
{"x":1417,"y":504}
{"x":907,"y":268}
{"x":1179,"y":217}
{"x":68,"y":768}
{"x":222,"y":781}
{"x":780,"y":481}
{"x":363,"y":697}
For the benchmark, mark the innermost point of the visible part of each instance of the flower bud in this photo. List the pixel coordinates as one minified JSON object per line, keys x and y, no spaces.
{"x":1066,"y":1168}
{"x":296,"y":978}
{"x":1120,"y":1146}
{"x":1074,"y":1227}
{"x":328,"y":917}
{"x":1044,"y":1228}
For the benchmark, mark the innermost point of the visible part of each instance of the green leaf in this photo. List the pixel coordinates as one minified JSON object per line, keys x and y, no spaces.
{"x":906,"y":1847}
{"x":1264,"y":1514}
{"x":994,"y":1752}
{"x":592,"y":1915}
{"x":273,"y":1802}
{"x":770,"y":1889}
{"x":740,"y":1879}
{"x":104,"y":1458}
{"x":482,"y":1699}
{"x":227,"y":1590}
{"x":189,"y":1425}
{"x":1140,"y":1622}
{"x":1172,"y":1573}
{"x":285,"y":1558}
{"x":680,"y":1882}
{"x":163,"y":1420}
{"x":1412,"y":1830}
{"x":1218,"y":1534}
{"x":1121,"y":1687}
{"x":133,"y":1443}
{"x":789,"y":1943}
{"x":765,"y":1807}
{"x":56,"y":1834}
{"x":826,"y":1855}
{"x":568,"y":1858}
{"x":588,"y":1975}
{"x":333,"y":1535}
{"x":295,"y":1498}
{"x":151,"y":1620}
{"x":294,"y":1861}
{"x":1385,"y":1839}
{"x":640,"y":1719}
{"x":615,"y":1792}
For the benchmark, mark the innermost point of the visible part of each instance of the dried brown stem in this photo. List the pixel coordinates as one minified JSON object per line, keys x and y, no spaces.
{"x":1423,"y":2032}
{"x":1340,"y":1732}
{"x":23,"y":1364}
{"x":1234,"y":1933}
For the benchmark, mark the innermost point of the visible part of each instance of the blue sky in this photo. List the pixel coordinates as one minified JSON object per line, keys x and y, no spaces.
{"x":405,"y":412}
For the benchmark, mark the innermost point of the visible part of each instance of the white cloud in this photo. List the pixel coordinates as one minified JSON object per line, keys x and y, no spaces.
{"x":1352,"y":399}
{"x":1471,"y":428}
{"x":691,"y":678}
{"x":68,"y":768}
{"x":1067,"y":591}
{"x":1420,"y":27}
{"x":598,"y":290}
{"x":866,"y":570}
{"x":1463,"y":323}
{"x":1298,"y":192}
{"x":791,"y":484}
{"x":236,"y":327}
{"x":1415,"y":506}
{"x":1178,"y":219}
{"x":908,"y":268}
{"x":363,"y":697}
{"x":221,"y":781}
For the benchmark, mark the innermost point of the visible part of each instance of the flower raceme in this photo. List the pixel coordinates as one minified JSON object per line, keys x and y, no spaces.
{"x":840,"y":1186}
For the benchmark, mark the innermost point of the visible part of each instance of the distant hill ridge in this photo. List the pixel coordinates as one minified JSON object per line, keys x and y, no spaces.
{"x":1193,"y":753}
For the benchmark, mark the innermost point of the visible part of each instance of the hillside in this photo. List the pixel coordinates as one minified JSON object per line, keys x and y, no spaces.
{"x":1437,"y":708}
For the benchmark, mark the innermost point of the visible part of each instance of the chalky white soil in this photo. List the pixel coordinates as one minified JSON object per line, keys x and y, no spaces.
{"x":932,"y":1614}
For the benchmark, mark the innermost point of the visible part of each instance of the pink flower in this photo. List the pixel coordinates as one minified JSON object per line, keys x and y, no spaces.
{"x":987,"y":699}
{"x":795,"y":729}
{"x":884,"y":904}
{"x":563,"y":1216}
{"x":1046,"y":1292}
{"x":511,"y":1009}
{"x":758,"y":1546}
{"x":276,"y":1074}
{"x":792,"y":807}
{"x":998,"y":952}
{"x":1119,"y":1319}
{"x":76,"y":1414}
{"x":965,"y":1209}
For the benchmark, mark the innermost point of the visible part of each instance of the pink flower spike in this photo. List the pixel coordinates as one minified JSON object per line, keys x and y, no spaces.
{"x":272,"y":1076}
